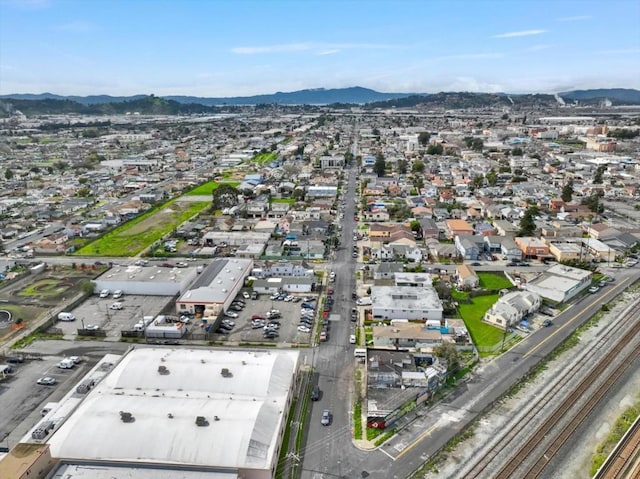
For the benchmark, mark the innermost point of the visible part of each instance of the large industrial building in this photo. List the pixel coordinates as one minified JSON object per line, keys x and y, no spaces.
{"x":560,"y":283}
{"x":154,"y":279}
{"x":172,"y":413}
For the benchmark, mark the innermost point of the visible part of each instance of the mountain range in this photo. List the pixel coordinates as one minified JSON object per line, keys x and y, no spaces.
{"x":48,"y":103}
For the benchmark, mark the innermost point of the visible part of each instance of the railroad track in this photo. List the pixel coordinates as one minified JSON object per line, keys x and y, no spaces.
{"x":564,"y":411}
{"x":624,"y":460}
{"x":508,"y":437}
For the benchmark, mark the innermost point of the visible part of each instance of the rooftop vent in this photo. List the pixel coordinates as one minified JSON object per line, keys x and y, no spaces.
{"x":163,"y":370}
{"x":226,"y":373}
{"x":126,"y":417}
{"x":201,"y":421}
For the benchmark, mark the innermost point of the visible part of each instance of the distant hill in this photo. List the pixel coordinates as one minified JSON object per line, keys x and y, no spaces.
{"x":618,"y":96}
{"x":319,"y":96}
{"x":48,"y":103}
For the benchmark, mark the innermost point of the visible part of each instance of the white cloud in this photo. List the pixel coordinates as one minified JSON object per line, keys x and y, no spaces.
{"x":577,"y":18}
{"x":77,"y":26}
{"x":318,"y":48}
{"x":329,"y":52}
{"x":521,"y":33}
{"x":537,"y":48}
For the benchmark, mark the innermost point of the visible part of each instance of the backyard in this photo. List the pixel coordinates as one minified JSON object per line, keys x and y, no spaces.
{"x":484,"y":335}
{"x":141,"y":232}
{"x":493,"y":282}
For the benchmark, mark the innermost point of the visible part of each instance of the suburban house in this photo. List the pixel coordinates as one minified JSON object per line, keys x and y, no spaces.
{"x":458,"y":228}
{"x":406,"y":336}
{"x":429,"y":228}
{"x":469,"y":247}
{"x":512,"y":308}
{"x":532,"y":247}
{"x":387,"y":270}
{"x":466,"y":277}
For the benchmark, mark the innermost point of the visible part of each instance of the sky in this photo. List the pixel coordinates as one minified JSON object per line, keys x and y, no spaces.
{"x":222,"y":48}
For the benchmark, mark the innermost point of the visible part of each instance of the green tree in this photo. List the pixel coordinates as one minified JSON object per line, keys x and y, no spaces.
{"x":449,"y":353}
{"x":527,"y":222}
{"x":8,"y":174}
{"x":423,"y":138}
{"x":492,"y":178}
{"x":379,"y":166}
{"x":593,"y":203}
{"x":516,"y":151}
{"x":478,"y":181}
{"x":402,"y":167}
{"x":417,"y":167}
{"x":415,"y":226}
{"x":437,"y":149}
{"x":597,"y":177}
{"x":567,"y":192}
{"x":225,"y":196}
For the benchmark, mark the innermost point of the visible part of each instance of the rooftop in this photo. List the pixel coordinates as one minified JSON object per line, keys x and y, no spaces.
{"x":242,"y":396}
{"x":217,"y":279}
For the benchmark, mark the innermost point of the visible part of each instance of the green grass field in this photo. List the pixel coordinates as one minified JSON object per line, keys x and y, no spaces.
{"x":284,"y":200}
{"x":207,"y":188}
{"x":493,"y":281}
{"x":141,"y":232}
{"x":265,"y":158}
{"x":483,"y":334}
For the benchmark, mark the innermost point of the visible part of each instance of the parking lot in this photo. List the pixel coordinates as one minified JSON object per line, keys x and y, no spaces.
{"x":97,"y":311}
{"x":23,"y":399}
{"x":288,"y":331}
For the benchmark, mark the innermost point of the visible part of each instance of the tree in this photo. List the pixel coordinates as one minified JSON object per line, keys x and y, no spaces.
{"x":225,"y":196}
{"x":449,"y":353}
{"x":415,"y":226}
{"x":379,"y":166}
{"x":567,"y":192}
{"x":527,"y":222}
{"x":593,"y":203}
{"x":423,"y":138}
{"x":478,"y":181}
{"x":517,"y":151}
{"x":402,"y":167}
{"x":437,"y":149}
{"x":492,"y":178}
{"x":8,"y":173}
{"x":417,"y":167}
{"x":597,"y":177}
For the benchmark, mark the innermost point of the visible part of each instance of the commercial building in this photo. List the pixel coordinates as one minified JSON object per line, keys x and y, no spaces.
{"x":151,"y":280}
{"x":405,"y":302}
{"x":215,"y":288}
{"x":172,"y":413}
{"x":560,"y":283}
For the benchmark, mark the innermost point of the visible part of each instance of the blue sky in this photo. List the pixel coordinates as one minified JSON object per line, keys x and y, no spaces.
{"x":232,"y":48}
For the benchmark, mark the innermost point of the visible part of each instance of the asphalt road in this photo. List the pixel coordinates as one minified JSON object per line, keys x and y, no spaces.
{"x":329,"y":451}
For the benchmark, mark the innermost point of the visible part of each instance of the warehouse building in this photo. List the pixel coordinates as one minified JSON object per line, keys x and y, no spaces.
{"x":152,"y":280}
{"x":405,"y":302}
{"x":175,"y":413}
{"x":560,"y":283}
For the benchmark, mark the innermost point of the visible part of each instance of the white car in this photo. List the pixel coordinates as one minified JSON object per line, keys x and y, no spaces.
{"x":92,"y":327}
{"x":246,"y":295}
{"x":304,"y":329}
{"x":47,"y":381}
{"x":117,"y":294}
{"x":116,"y":306}
{"x":352,"y":339}
{"x":230,"y":314}
{"x":104,"y":293}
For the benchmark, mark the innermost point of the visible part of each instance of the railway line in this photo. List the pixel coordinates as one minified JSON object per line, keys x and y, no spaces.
{"x":624,"y":460}
{"x":552,"y":432}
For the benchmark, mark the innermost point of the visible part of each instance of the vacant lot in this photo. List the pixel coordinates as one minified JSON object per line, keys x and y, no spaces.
{"x":493,"y":281}
{"x":483,"y":334}
{"x":141,"y":232}
{"x":207,"y":188}
{"x":265,"y":158}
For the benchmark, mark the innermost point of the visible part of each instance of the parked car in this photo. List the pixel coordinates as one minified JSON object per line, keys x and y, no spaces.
{"x":104,"y":293}
{"x":221,"y":331}
{"x":230,"y":314}
{"x":228,"y":322}
{"x":92,"y":327}
{"x":254,"y":295}
{"x":46,"y":381}
{"x":235,"y":307}
{"x":246,"y":295}
{"x":304,"y":329}
{"x":326,"y":417}
{"x":257,"y":325}
{"x":15,"y":359}
{"x":324,"y":336}
{"x":352,"y":339}
{"x":594,"y":289}
{"x":315,"y":393}
{"x":116,"y":305}
{"x":258,"y":316}
{"x":547,"y":322}
{"x":117,"y":294}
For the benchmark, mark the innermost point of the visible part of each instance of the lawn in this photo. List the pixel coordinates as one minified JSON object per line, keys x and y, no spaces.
{"x":265,"y":158}
{"x":141,"y":232}
{"x":283,"y":200}
{"x":207,"y":188}
{"x":483,"y":334}
{"x":493,"y":281}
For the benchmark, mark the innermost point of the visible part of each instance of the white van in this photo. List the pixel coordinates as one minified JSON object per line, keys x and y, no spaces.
{"x":66,"y":317}
{"x":66,"y":364}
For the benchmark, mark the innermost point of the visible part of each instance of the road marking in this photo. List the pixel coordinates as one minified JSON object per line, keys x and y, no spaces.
{"x":382,"y":450}
{"x":415,"y":443}
{"x":569,"y":321}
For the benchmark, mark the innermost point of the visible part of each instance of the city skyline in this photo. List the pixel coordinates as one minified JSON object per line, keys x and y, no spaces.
{"x":214,"y":49}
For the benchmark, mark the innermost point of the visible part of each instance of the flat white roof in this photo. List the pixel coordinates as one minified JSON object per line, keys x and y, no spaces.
{"x":93,"y":471}
{"x":250,"y":405}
